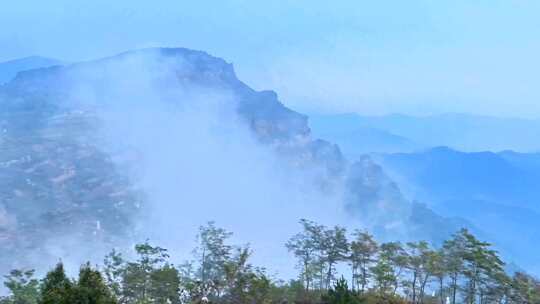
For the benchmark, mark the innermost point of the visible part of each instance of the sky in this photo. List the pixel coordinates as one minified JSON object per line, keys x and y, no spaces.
{"x":415,"y":57}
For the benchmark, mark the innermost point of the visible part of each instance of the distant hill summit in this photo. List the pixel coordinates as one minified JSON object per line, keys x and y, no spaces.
{"x":356,"y":139}
{"x":464,"y":132}
{"x":9,"y":69}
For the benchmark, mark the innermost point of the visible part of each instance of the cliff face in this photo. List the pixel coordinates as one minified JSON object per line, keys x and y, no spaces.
{"x":163,"y":69}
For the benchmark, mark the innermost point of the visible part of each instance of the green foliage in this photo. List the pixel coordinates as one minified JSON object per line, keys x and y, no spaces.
{"x":23,"y":287}
{"x":165,"y":285}
{"x":336,"y":249}
{"x":149,"y":279}
{"x":91,"y":288}
{"x":464,"y":270}
{"x":304,"y":246}
{"x":363,"y":254}
{"x":318,"y":250}
{"x":340,"y":294}
{"x":56,"y":288}
{"x":524,"y":289}
{"x":394,"y":260}
{"x":114,"y":271}
{"x":384,"y":276}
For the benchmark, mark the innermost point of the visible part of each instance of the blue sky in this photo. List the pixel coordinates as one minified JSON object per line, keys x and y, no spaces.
{"x":371,"y":57}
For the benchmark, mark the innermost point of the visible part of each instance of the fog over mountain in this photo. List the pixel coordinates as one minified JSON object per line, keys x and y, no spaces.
{"x":154,"y":142}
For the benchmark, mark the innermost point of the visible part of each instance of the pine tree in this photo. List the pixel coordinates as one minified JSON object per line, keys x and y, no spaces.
{"x":304,"y":247}
{"x":394,"y":255}
{"x":56,"y":287}
{"x":91,"y":288}
{"x":340,"y":294}
{"x":383,"y":275}
{"x":336,"y":248}
{"x":453,"y":252}
{"x":420,"y":258}
{"x":482,"y":265}
{"x":363,"y":254}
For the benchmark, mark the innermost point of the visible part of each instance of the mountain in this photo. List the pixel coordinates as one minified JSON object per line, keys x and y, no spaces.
{"x":462,"y":132}
{"x":492,"y":190}
{"x":446,"y":173}
{"x":356,"y":140}
{"x":90,"y":149}
{"x":9,"y":69}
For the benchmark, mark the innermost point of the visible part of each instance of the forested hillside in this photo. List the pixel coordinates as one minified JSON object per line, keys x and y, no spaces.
{"x":334,"y":267}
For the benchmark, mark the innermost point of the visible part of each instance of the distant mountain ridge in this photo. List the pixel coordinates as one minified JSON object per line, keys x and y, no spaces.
{"x":497,"y":191}
{"x":356,"y":139}
{"x":464,"y":132}
{"x":9,"y":69}
{"x":506,"y":177}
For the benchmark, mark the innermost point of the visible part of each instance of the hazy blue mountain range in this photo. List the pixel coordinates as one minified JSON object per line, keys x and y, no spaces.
{"x":498,"y":192}
{"x":358,"y":140}
{"x":58,"y":181}
{"x":403,"y":133}
{"x":9,"y":69}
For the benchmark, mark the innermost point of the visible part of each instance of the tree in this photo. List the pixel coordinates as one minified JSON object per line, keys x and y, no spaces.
{"x":438,"y":268}
{"x":340,"y":294}
{"x":91,"y":288}
{"x":396,"y":257}
{"x":114,"y":271}
{"x":523,"y":289}
{"x":137,"y":277}
{"x":261,"y":287}
{"x":383,"y":275}
{"x":165,"y":285}
{"x":316,"y":234}
{"x":212,"y":253}
{"x":481,"y":267}
{"x":336,"y":249}
{"x":453,"y":251}
{"x":420,"y":258}
{"x":23,"y":287}
{"x":499,"y":289}
{"x":191,"y":287}
{"x":242,"y":280}
{"x":56,"y":287}
{"x":363,"y":254}
{"x":304,"y":246}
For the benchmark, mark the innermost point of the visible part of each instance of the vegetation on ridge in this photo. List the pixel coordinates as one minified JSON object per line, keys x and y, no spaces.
{"x":463,"y":270}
